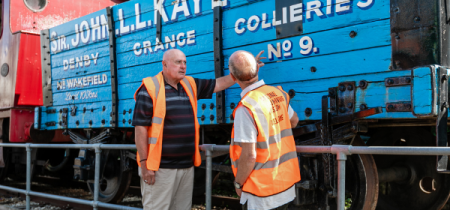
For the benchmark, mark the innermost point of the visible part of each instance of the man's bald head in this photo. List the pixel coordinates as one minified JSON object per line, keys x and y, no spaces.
{"x":243,"y":66}
{"x":169,"y":54}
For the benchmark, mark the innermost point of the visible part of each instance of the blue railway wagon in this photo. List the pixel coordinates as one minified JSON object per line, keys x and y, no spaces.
{"x":361,"y":72}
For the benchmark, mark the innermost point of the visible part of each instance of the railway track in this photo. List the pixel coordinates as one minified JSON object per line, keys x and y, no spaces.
{"x":51,"y":185}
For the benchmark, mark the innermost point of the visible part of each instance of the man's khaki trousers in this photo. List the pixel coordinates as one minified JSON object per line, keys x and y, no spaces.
{"x":172,"y":190}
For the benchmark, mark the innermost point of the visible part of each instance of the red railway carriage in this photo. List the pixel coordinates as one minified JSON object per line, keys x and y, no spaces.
{"x":20,"y":72}
{"x":20,"y":59}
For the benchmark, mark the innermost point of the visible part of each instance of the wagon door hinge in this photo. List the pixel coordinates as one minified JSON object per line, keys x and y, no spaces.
{"x":441,"y":121}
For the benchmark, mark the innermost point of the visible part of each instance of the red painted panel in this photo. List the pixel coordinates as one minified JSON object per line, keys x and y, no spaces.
{"x":55,"y":13}
{"x":29,"y":80}
{"x":20,"y":122}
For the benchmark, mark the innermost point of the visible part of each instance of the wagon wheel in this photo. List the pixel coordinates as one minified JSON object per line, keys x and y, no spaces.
{"x":115,"y":178}
{"x":361,"y":181}
{"x":415,"y":183}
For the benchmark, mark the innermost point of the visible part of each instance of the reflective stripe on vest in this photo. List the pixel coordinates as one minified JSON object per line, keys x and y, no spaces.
{"x":157,"y":120}
{"x":272,"y":139}
{"x":271,"y":163}
{"x":157,"y":85}
{"x":156,"y":89}
{"x":276,"y":168}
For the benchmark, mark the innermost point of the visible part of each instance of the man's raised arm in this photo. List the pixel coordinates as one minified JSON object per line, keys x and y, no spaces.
{"x":223,"y":83}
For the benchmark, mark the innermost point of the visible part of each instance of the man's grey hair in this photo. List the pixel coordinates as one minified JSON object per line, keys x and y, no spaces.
{"x":243,"y":65}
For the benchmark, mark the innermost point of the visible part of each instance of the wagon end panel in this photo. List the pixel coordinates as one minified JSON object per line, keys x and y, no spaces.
{"x":28,"y":91}
{"x":78,"y":79}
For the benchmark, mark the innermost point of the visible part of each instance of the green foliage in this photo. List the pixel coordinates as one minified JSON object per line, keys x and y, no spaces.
{"x":348,"y":201}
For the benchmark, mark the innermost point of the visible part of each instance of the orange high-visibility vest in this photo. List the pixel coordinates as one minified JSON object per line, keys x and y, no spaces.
{"x":277,"y":168}
{"x":156,"y":89}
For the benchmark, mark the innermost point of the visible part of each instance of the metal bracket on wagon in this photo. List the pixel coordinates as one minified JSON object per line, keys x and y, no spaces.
{"x":342,"y":98}
{"x":441,"y":120}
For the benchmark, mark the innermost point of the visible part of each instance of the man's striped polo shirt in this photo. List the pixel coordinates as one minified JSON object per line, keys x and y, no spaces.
{"x":178,"y":144}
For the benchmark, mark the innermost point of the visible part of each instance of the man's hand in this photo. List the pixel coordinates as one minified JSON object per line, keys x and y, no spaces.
{"x":258,"y":59}
{"x":238,"y":191}
{"x":148,"y":175}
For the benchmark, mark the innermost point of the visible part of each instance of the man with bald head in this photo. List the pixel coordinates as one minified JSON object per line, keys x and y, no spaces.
{"x":262,"y":150}
{"x":167,"y":132}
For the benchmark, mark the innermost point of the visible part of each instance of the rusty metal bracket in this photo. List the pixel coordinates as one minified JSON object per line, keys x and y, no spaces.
{"x":65,"y":113}
{"x":346,"y":98}
{"x":397,"y":81}
{"x":441,"y":121}
{"x":73,"y":111}
{"x":444,"y":27}
{"x":355,"y":116}
{"x":404,"y":106}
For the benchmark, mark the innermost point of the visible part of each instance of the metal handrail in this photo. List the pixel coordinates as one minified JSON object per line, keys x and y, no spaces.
{"x":98,"y":149}
{"x":341,"y":152}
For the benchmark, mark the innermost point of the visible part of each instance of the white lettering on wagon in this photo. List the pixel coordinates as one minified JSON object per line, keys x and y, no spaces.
{"x":80,"y":62}
{"x":180,"y":7}
{"x":279,"y":50}
{"x":172,"y":41}
{"x":254,"y":22}
{"x":96,"y":31}
{"x":82,"y":82}
{"x":82,"y":95}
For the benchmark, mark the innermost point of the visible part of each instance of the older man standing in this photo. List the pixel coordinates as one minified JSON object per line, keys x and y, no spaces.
{"x":263,"y":154}
{"x":167,"y":132}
